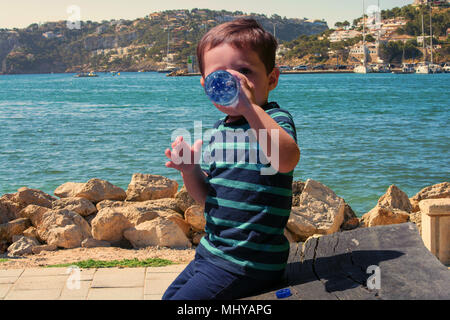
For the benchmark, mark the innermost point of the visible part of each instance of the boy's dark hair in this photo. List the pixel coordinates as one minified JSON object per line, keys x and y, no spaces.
{"x":241,"y":34}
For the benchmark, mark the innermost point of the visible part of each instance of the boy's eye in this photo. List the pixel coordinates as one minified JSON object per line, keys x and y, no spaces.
{"x":245,"y":70}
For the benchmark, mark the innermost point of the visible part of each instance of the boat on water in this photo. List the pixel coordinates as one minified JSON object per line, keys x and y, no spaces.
{"x":446,"y":68}
{"x":428,"y":67}
{"x":381,"y":68}
{"x":115,"y":73}
{"x":363,"y":68}
{"x":408,"y":68}
{"x":86,"y":75}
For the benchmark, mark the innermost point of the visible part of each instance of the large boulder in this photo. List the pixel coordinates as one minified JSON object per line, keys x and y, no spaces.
{"x":13,"y":228}
{"x":26,"y":196}
{"x":9,"y":209}
{"x":381,"y":215}
{"x":195,"y":217}
{"x":157,"y":232}
{"x":96,"y":190}
{"x":94,"y":243}
{"x":63,"y":228}
{"x":297,"y":189}
{"x":116,"y":216}
{"x":320,"y":211}
{"x":79,"y":205}
{"x":436,"y":191}
{"x":184,"y":199}
{"x":34,"y":213}
{"x":109,"y":224}
{"x":22,"y":245}
{"x":395,"y":198}
{"x":68,"y":189}
{"x":150,"y":187}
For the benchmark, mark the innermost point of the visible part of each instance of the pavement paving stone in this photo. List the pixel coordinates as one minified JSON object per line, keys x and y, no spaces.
{"x":48,"y":294}
{"x":10,"y":272}
{"x":4,"y":289}
{"x":116,"y":294}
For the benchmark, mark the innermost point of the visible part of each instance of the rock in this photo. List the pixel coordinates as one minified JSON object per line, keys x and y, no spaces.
{"x":110,"y":204}
{"x":177,"y":218}
{"x":350,"y":219}
{"x":136,"y":213}
{"x":34,"y":213}
{"x":350,"y":224}
{"x":90,"y":218}
{"x":26,"y":196}
{"x":197,"y":236}
{"x":395,"y":198}
{"x":437,"y":191}
{"x":8,"y":208}
{"x":31,"y":232}
{"x":96,"y":190}
{"x":184,"y":199}
{"x":3,"y":246}
{"x":380,"y":215}
{"x":297,"y":189}
{"x":195,"y":217}
{"x":94,"y":243}
{"x":292,"y":237}
{"x":44,"y":247}
{"x":12,"y":228}
{"x":81,"y":206}
{"x":64,"y":228}
{"x":416,"y":217}
{"x":320,"y":211}
{"x":157,"y":232}
{"x":22,"y":245}
{"x":150,"y":187}
{"x":68,"y":189}
{"x":109,"y":225}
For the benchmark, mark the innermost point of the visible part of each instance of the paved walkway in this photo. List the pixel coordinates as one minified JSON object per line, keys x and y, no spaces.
{"x":94,"y":284}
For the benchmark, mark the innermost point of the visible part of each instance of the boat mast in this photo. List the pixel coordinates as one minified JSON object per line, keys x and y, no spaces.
{"x":364,"y":35}
{"x":431,"y":36}
{"x":423,"y":42}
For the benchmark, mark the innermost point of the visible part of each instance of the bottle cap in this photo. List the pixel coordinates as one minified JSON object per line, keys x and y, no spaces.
{"x":222,"y":88}
{"x":283,"y":293}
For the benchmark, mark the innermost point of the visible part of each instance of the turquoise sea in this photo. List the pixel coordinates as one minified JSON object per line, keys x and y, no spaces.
{"x":358,"y":134}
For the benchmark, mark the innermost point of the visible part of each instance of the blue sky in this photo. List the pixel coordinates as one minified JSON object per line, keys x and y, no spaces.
{"x":21,"y":13}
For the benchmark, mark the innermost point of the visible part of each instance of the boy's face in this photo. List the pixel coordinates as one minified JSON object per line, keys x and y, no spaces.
{"x":246,"y":62}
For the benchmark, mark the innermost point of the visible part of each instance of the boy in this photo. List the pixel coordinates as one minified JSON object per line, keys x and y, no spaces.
{"x":244,"y":250}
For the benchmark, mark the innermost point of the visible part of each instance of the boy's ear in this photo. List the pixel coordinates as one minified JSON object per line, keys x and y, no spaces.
{"x":273,"y":78}
{"x":202,"y":81}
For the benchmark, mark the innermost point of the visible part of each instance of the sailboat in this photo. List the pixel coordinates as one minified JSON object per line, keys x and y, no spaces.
{"x":423,"y":67}
{"x":169,"y":66}
{"x":364,"y":68}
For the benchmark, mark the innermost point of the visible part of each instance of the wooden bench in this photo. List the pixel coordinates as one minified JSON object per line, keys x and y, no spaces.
{"x":336,"y":267}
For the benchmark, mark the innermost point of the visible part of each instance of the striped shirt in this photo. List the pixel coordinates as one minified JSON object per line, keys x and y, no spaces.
{"x":246,"y":211}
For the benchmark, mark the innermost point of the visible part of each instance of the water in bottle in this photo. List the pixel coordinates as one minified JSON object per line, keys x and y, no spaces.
{"x":222,"y":88}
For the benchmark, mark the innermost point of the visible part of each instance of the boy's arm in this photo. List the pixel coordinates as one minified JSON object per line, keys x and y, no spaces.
{"x":288,"y":151}
{"x":195,"y":184}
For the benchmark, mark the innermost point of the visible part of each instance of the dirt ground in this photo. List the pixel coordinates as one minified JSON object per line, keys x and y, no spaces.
{"x":107,"y":254}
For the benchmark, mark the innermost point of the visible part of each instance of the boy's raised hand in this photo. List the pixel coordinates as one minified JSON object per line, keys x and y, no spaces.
{"x":182,"y":156}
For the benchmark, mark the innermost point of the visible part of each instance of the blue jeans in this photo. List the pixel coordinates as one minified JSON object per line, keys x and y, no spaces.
{"x":202,"y":280}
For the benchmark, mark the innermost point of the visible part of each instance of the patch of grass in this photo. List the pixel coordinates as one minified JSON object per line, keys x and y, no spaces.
{"x":3,"y":260}
{"x":125,"y":263}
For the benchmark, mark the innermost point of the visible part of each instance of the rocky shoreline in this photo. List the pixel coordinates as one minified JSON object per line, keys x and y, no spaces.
{"x":152,"y":218}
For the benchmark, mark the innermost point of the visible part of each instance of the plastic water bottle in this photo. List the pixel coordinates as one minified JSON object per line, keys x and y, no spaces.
{"x":222,"y":88}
